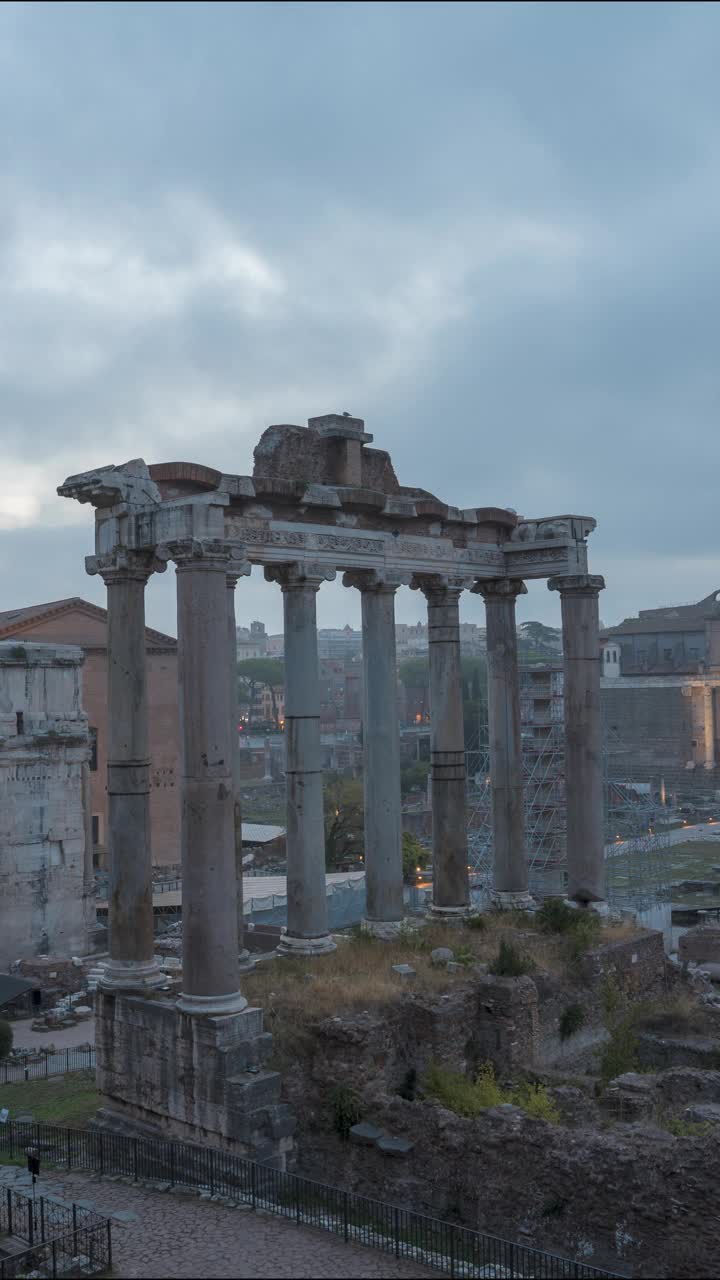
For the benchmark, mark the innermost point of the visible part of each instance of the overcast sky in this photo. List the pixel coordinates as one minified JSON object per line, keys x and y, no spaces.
{"x":490,"y":230}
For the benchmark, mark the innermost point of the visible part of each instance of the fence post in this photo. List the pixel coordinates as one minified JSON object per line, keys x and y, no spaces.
{"x":109,"y":1242}
{"x":10,"y":1137}
{"x":31,"y":1224}
{"x":9,"y":1211}
{"x":27,"y":1077}
{"x":102,"y":1154}
{"x":253,"y":1186}
{"x":54,"y":1261}
{"x":396,"y":1228}
{"x":211,"y":1163}
{"x":42,"y":1219}
{"x":75,"y":1242}
{"x":452,"y":1254}
{"x":172,"y":1164}
{"x":297,"y":1200}
{"x":67,"y":1060}
{"x":135,"y":1159}
{"x":346,"y":1229}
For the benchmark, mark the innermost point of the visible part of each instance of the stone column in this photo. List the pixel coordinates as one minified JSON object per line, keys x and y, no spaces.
{"x":232,"y":579}
{"x":709,"y":724}
{"x":381,"y":751}
{"x":209,"y":873}
{"x":451,"y":891}
{"x":506,"y":762}
{"x":130,"y":908}
{"x":307,"y":926}
{"x":583,"y":738}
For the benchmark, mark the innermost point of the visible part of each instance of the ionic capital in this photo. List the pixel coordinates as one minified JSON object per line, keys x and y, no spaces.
{"x":499,"y":589}
{"x":238,"y":569}
{"x":124,"y":565}
{"x":440,"y":588}
{"x":210,"y":554}
{"x":577,"y":584}
{"x":375,"y":580}
{"x":299,"y":575}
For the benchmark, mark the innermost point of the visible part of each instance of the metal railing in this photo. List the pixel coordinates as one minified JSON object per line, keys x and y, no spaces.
{"x":456,"y":1251}
{"x":63,"y":1240}
{"x":39,"y":1067}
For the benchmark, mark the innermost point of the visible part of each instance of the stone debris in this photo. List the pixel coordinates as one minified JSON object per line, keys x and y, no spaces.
{"x":441,"y":955}
{"x":404,"y":971}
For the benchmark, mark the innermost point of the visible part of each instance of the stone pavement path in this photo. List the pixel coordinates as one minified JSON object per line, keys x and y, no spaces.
{"x":63,"y":1038}
{"x":174,"y":1235}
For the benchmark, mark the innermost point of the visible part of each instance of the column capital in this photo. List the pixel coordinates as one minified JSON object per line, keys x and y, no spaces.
{"x":125,"y":565}
{"x":577,"y":584}
{"x":499,"y":589}
{"x":440,"y":586}
{"x":205,"y":553}
{"x":238,"y":569}
{"x":375,"y":580}
{"x":299,"y":575}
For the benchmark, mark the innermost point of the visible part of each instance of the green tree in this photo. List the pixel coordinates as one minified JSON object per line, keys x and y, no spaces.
{"x":6,"y":1037}
{"x":344,"y":819}
{"x":414,"y":855}
{"x":259,"y":673}
{"x":414,"y":775}
{"x":415,"y":674}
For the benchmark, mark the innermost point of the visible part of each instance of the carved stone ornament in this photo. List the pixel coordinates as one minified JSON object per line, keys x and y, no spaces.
{"x":299,"y":575}
{"x":208,"y":553}
{"x":577,"y":584}
{"x":122,"y":564}
{"x":499,"y":589}
{"x":130,"y":484}
{"x":375,"y":580}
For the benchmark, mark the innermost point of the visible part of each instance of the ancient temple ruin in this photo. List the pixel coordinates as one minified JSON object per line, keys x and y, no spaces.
{"x":320,"y":501}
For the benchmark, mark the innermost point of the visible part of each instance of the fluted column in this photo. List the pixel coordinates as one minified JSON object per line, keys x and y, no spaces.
{"x":451,"y":891}
{"x":583,"y":738}
{"x":231,"y":580}
{"x":210,"y":922}
{"x":130,"y":907}
{"x":381,"y":751}
{"x":510,"y":868}
{"x":307,"y":915}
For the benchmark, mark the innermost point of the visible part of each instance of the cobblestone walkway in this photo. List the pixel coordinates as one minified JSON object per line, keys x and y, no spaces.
{"x":168,"y":1235}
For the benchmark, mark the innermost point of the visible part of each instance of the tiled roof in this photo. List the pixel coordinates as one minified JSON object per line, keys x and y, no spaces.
{"x":14,"y":621}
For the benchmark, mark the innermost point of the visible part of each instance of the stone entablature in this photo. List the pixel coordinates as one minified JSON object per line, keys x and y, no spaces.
{"x":273,"y":515}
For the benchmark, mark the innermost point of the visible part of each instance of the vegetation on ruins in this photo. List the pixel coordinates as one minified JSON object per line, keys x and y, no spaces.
{"x":71,"y":1099}
{"x":572,"y":1019}
{"x":6,"y":1037}
{"x":510,"y":962}
{"x":347,"y":1109}
{"x":469,"y":1097}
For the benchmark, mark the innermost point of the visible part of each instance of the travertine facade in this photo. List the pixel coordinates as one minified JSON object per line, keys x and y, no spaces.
{"x":46,"y":900}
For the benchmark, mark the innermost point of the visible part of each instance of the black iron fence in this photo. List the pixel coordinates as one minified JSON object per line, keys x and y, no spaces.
{"x":63,"y":1240}
{"x":456,"y":1251}
{"x":37,"y":1066}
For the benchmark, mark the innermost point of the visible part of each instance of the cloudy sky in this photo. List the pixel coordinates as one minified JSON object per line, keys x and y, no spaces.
{"x":491,"y":230}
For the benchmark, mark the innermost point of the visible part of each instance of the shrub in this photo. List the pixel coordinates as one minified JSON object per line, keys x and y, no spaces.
{"x":684,"y":1128}
{"x":468,"y":1098}
{"x":511,"y":963}
{"x":572,"y":1019}
{"x":465,"y":955}
{"x":476,"y":922}
{"x":620,"y":1053}
{"x":536,"y":1101}
{"x":346,"y":1109}
{"x":555,"y":916}
{"x":6,"y":1038}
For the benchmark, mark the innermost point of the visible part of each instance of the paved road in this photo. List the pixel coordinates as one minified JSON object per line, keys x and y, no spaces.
{"x":180,"y":1236}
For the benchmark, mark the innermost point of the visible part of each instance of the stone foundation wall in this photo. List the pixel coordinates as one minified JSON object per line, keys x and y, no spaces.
{"x":633,"y":1199}
{"x":197,"y":1079}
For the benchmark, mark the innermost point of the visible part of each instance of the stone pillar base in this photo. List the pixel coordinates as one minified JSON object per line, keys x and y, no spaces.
{"x":212,"y":1006}
{"x":199,"y":1080}
{"x":503,"y":900}
{"x":133,"y":975}
{"x":449,"y":915}
{"x":292,"y":946}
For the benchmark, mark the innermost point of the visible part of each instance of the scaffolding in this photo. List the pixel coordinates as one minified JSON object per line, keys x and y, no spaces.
{"x":637,"y":865}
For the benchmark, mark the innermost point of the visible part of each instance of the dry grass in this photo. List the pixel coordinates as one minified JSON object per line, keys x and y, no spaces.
{"x":358,"y":976}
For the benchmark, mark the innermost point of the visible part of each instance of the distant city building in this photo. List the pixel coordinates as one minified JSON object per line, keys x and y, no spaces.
{"x":660,"y":681}
{"x":339,"y":642}
{"x":252,"y":641}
